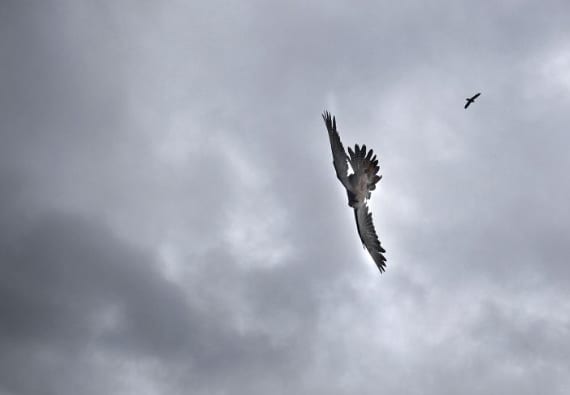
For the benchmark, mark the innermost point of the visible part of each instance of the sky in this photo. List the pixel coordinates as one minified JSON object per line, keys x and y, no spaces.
{"x":171,"y":223}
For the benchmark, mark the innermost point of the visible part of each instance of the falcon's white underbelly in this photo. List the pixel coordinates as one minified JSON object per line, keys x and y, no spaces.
{"x":358,"y":189}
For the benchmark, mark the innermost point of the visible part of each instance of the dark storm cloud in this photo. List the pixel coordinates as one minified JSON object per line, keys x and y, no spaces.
{"x":171,"y":220}
{"x":70,"y":288}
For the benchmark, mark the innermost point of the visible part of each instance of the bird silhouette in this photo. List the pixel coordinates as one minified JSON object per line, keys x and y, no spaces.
{"x":359,"y":186}
{"x":471,"y":100}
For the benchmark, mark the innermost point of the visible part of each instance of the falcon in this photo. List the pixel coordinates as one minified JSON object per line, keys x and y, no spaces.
{"x":359,"y":186}
{"x":471,"y":100}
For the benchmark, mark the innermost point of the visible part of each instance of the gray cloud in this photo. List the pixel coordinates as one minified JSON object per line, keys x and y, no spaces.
{"x":170,"y":220}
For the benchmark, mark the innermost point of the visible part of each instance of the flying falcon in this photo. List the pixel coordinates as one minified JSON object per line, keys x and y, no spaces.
{"x":471,"y":100}
{"x":359,"y":185}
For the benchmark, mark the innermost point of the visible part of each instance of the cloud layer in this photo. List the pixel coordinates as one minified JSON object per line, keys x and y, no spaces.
{"x":170,"y":221}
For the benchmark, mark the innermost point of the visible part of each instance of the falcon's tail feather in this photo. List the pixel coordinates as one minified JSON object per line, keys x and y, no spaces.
{"x":363,"y":162}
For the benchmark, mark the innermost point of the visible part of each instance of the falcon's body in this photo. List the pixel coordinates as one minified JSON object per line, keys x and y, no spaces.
{"x":359,"y":185}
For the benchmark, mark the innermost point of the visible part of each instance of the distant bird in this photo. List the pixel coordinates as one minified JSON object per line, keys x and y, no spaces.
{"x":359,"y":185}
{"x":471,"y":100}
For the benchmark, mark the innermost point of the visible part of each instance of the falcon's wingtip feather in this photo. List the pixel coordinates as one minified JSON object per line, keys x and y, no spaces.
{"x":368,"y":236}
{"x":330,"y":120}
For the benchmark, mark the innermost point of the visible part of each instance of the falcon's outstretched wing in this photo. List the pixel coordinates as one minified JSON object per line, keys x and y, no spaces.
{"x":339,"y":154}
{"x":369,"y":237}
{"x":476,"y":96}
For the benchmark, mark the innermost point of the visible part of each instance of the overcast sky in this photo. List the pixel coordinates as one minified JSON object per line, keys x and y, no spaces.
{"x":171,"y":223}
